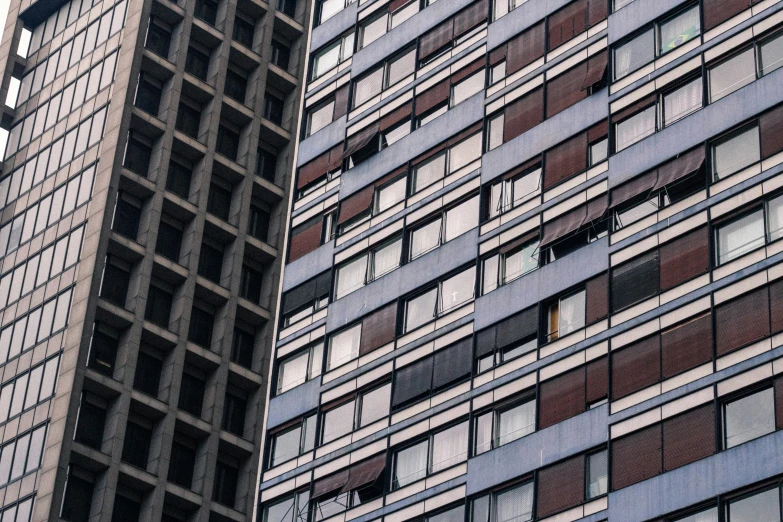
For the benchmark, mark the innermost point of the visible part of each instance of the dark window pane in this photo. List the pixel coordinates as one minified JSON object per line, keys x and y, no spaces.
{"x":125,"y":510}
{"x":219,"y":201}
{"x":227,"y":143}
{"x":242,"y":349}
{"x":188,"y":120}
{"x":158,"y":40}
{"x":126,"y":218}
{"x":234,"y":414}
{"x":273,"y":109}
{"x":178,"y":180}
{"x":191,"y":394}
{"x":89,"y":427}
{"x":183,"y":460}
{"x":103,"y":352}
{"x":207,"y":11}
{"x":201,"y":324}
{"x":136,"y":447}
{"x":169,"y":241}
{"x":258,"y":224}
{"x":250,"y":287}
{"x":288,"y":7}
{"x":235,"y":86}
{"x":148,"y":370}
{"x":226,"y":478}
{"x":137,"y":156}
{"x":267,"y":165}
{"x":148,"y":96}
{"x":197,"y":63}
{"x":210,"y":263}
{"x":281,"y":55}
{"x":243,"y":32}
{"x":77,"y":499}
{"x":114,"y":287}
{"x":158,"y":306}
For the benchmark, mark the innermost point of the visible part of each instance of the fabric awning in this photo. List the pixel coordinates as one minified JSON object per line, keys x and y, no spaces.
{"x":364,"y":473}
{"x":355,"y":204}
{"x":633,"y":188}
{"x":312,"y":170}
{"x":558,"y":227}
{"x":360,"y":140}
{"x":679,"y":167}
{"x":330,"y":484}
{"x":596,"y":68}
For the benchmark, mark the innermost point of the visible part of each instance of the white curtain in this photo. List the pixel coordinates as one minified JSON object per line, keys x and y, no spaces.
{"x":737,"y":153}
{"x":635,"y":128}
{"x":449,"y":447}
{"x":387,"y":258}
{"x":351,"y":276}
{"x":572,"y":313}
{"x":740,"y":237}
{"x":516,"y":422}
{"x":462,"y":218}
{"x":411,"y":465}
{"x":425,"y":239}
{"x":344,"y":346}
{"x":293,"y":372}
{"x":515,"y":505}
{"x":465,"y":152}
{"x":682,"y":102}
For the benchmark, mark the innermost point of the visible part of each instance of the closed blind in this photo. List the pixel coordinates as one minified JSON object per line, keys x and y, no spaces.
{"x":771,"y":127}
{"x":597,"y":380}
{"x":313,"y":170}
{"x":452,"y":363}
{"x":412,"y":381}
{"x":635,"y":281}
{"x":560,"y":486}
{"x":718,"y":11}
{"x":742,"y":321}
{"x":688,"y":437}
{"x":469,"y":18}
{"x":636,"y":367}
{"x":597,"y":298}
{"x":435,"y":39}
{"x":304,"y":240}
{"x":356,"y":204}
{"x":565,"y":160}
{"x":636,"y":457}
{"x":567,"y":23}
{"x":523,"y":114}
{"x":378,"y":329}
{"x":776,"y":305}
{"x":565,"y":90}
{"x":562,"y":397}
{"x":686,"y":345}
{"x":685,"y":258}
{"x":525,"y":48}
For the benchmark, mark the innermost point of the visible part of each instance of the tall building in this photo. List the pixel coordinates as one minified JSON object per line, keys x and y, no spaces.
{"x":147,"y":151}
{"x":534,"y":267}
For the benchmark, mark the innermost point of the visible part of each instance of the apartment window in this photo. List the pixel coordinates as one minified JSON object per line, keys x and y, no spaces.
{"x":227,"y":142}
{"x":103,"y":350}
{"x":273,"y":108}
{"x":361,"y":410}
{"x":197,"y":63}
{"x":148,"y":93}
{"x":511,"y":192}
{"x":77,"y":499}
{"x":234,"y":411}
{"x":390,"y":194}
{"x":281,"y":54}
{"x":771,"y":54}
{"x":362,"y":482}
{"x":289,"y":442}
{"x":329,"y":8}
{"x":400,"y":67}
{"x":258,"y":223}
{"x":236,"y":85}
{"x":507,"y":340}
{"x":116,"y":278}
{"x":443,"y":298}
{"x":635,"y":128}
{"x":178,"y":179}
{"x":182,"y":462}
{"x":226,"y":481}
{"x":138,"y":153}
{"x":294,"y":508}
{"x":148,"y":371}
{"x":566,"y":315}
{"x":439,"y":451}
{"x":505,"y":424}
{"x":158,"y":37}
{"x":405,"y":12}
{"x":682,"y":101}
{"x":299,"y":368}
{"x":136,"y":447}
{"x":201,"y":325}
{"x":368,"y":87}
{"x":734,"y":152}
{"x":663,"y":38}
{"x":169,"y":239}
{"x":319,"y":117}
{"x":242,"y":347}
{"x":206,"y":10}
{"x":306,"y":298}
{"x":333,"y":54}
{"x":266,"y":165}
{"x":451,"y":224}
{"x":250,"y":284}
{"x":244,"y":29}
{"x":287,"y":7}
{"x":188,"y":119}
{"x":343,"y":346}
{"x":511,"y":262}
{"x":759,"y":506}
{"x":159,"y":303}
{"x":210,"y":263}
{"x":90,"y":421}
{"x":448,"y":162}
{"x":219,"y":201}
{"x":127,"y":214}
{"x":191,"y":394}
{"x":749,"y":417}
{"x":740,"y":236}
{"x":379,"y":261}
{"x":373,"y":28}
{"x":467,"y":88}
{"x":731,"y":74}
{"x":514,"y":504}
{"x":597,"y":479}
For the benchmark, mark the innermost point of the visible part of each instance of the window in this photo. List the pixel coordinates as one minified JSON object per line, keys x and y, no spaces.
{"x":210,"y":263}
{"x":292,"y":509}
{"x":748,"y":417}
{"x":359,"y":411}
{"x":148,"y":371}
{"x":507,"y":340}
{"x":400,"y":67}
{"x":136,"y":447}
{"x":731,"y":74}
{"x":287,"y":7}
{"x":633,"y":54}
{"x":127,"y":214}
{"x":219,"y":201}
{"x":635,"y":128}
{"x":281,"y":54}
{"x":450,"y":161}
{"x":440,"y":451}
{"x":733,"y":153}
{"x":566,"y":315}
{"x":373,"y":28}
{"x":178,"y":179}
{"x":206,"y":10}
{"x":158,"y":37}
{"x":138,"y":153}
{"x":771,"y":51}
{"x":169,"y":239}
{"x":467,"y":88}
{"x":90,"y":421}
{"x":351,"y":488}
{"x":306,"y":298}
{"x":77,"y":499}
{"x":445,"y":297}
{"x":250,"y":284}
{"x":234,"y":411}
{"x":367,"y":87}
{"x":244,"y":29}
{"x":236,"y":85}
{"x":227,"y":142}
{"x":197,"y":63}
{"x":148,"y":93}
{"x":759,"y":506}
{"x":333,"y":54}
{"x":299,"y":368}
{"x":514,"y":504}
{"x":682,"y":101}
{"x":597,"y":475}
{"x":343,"y":347}
{"x":291,"y":441}
{"x":682,"y":28}
{"x":242,"y":347}
{"x":740,"y":236}
{"x":379,"y":261}
{"x":258,"y":223}
{"x":512,"y":262}
{"x":159,"y":301}
{"x":201,"y":326}
{"x":266,"y":165}
{"x":182,"y":461}
{"x":226,"y":481}
{"x":509,"y":193}
{"x":116,"y":278}
{"x":404,"y":13}
{"x":273,"y":108}
{"x":390,"y":194}
{"x":319,"y":117}
{"x":191,"y":394}
{"x":505,"y":424}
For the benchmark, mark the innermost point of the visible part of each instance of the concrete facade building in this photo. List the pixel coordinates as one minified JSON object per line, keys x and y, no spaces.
{"x":147,"y":151}
{"x":533,"y":267}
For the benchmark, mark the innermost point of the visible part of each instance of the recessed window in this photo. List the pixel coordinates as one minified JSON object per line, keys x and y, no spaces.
{"x":748,"y":418}
{"x":244,"y":30}
{"x":735,"y":152}
{"x":158,"y":37}
{"x":197,"y":63}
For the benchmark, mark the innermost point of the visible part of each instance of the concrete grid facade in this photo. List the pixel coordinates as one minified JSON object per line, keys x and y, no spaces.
{"x":142,"y":398}
{"x":533,"y":266}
